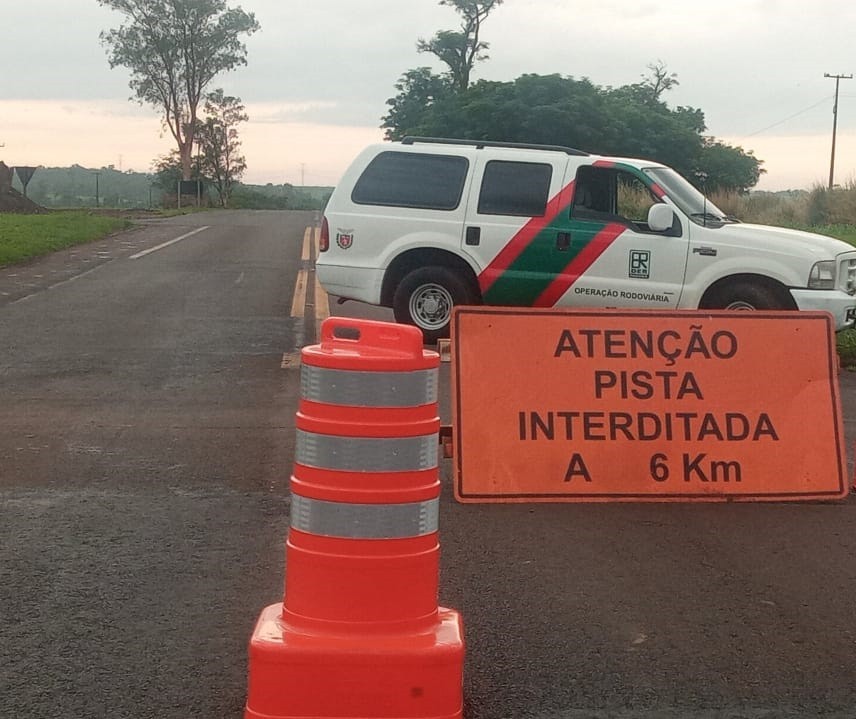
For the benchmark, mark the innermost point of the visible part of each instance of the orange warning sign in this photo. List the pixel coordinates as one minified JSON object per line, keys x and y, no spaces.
{"x":614,"y":405}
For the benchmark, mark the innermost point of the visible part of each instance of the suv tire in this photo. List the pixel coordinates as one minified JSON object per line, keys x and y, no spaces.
{"x":425,"y":298}
{"x":750,"y":296}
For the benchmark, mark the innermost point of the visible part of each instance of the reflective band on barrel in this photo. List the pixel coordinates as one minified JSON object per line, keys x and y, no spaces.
{"x":364,"y":521}
{"x":368,"y":389}
{"x":367,"y":454}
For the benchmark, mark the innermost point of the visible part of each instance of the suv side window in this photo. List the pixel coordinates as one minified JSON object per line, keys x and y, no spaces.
{"x":633,"y":198}
{"x":519,"y":189}
{"x":612,"y":194}
{"x":410,"y":179}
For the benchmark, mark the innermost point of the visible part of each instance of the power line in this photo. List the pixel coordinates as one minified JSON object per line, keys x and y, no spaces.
{"x":789,"y":117}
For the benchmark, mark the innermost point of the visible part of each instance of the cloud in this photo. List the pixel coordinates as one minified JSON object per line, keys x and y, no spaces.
{"x":799,"y":161}
{"x":94,"y":134}
{"x":267,"y":113}
{"x":89,"y":133}
{"x":299,"y":152}
{"x":334,"y":63}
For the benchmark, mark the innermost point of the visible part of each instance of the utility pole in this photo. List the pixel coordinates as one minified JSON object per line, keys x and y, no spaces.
{"x":97,"y":175}
{"x":302,"y":174}
{"x":838,"y":79}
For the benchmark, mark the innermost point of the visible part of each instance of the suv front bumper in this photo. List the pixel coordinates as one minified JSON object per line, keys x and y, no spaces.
{"x":839,"y":304}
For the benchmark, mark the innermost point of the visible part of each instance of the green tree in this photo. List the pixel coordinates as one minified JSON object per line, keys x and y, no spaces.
{"x":418,"y":90}
{"x":219,"y":145}
{"x":628,"y":121}
{"x":174,"y":49}
{"x":554,"y":109}
{"x":167,"y":172}
{"x":637,"y":125}
{"x":460,"y":49}
{"x":727,"y":168}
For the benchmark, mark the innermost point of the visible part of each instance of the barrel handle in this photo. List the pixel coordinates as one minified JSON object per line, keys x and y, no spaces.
{"x":350,"y":333}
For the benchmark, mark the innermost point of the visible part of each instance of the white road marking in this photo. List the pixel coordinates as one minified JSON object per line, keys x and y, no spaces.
{"x":240,"y":279}
{"x":168,"y":243}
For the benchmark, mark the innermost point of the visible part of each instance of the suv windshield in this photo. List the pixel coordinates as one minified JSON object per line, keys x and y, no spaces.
{"x":692,"y":202}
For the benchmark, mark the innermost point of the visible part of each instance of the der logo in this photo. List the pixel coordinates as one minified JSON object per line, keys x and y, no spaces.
{"x":640,"y":264}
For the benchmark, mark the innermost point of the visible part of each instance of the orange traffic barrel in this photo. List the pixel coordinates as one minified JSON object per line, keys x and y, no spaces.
{"x":365,"y":488}
{"x":362,"y":556}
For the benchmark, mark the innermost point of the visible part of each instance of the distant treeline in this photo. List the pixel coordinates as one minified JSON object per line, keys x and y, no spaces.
{"x":76,"y":186}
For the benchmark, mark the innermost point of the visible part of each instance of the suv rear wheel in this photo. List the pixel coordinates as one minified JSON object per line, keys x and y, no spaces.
{"x":425,"y":298}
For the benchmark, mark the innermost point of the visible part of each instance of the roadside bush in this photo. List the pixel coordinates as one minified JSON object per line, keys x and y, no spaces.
{"x":244,"y":198}
{"x":789,"y":210}
{"x":765,"y":208}
{"x":841,"y":205}
{"x":819,"y":207}
{"x":730,"y":203}
{"x":846,"y":342}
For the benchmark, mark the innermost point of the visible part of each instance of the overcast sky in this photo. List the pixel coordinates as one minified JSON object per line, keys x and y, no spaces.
{"x":320,"y":71}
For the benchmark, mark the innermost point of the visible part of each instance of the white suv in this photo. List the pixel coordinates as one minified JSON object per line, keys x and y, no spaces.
{"x":426,"y":224}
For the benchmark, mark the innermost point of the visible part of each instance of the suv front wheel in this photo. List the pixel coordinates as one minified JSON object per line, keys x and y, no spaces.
{"x":425,"y":298}
{"x":747,"y":295}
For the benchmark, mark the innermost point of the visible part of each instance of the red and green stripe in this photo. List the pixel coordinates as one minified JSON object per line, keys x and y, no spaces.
{"x":581,"y":261}
{"x":529,"y":272}
{"x":509,"y":256}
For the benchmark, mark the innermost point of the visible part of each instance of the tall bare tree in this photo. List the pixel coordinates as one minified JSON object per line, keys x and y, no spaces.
{"x":174,"y":48}
{"x":659,"y":79}
{"x":460,"y":49}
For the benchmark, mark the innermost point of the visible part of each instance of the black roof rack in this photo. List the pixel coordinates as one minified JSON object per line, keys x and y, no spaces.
{"x":479,"y":144}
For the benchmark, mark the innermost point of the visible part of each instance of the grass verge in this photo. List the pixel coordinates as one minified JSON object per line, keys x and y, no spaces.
{"x":26,"y":236}
{"x":846,"y":343}
{"x":847,"y":233}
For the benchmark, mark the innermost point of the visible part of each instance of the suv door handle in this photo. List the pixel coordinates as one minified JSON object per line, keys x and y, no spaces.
{"x":473,"y":236}
{"x":705,"y":251}
{"x":563,"y":241}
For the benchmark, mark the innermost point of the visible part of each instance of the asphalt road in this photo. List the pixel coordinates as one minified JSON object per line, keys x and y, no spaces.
{"x":146,"y":438}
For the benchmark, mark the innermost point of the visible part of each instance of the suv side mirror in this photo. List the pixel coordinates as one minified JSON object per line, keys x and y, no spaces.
{"x":660,"y":217}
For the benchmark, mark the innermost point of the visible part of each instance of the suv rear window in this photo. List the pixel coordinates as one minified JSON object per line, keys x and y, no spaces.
{"x":409,"y":179}
{"x":519,"y":189}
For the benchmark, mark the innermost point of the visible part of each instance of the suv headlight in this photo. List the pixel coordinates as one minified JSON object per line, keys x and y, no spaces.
{"x":822,"y":276}
{"x":847,"y":273}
